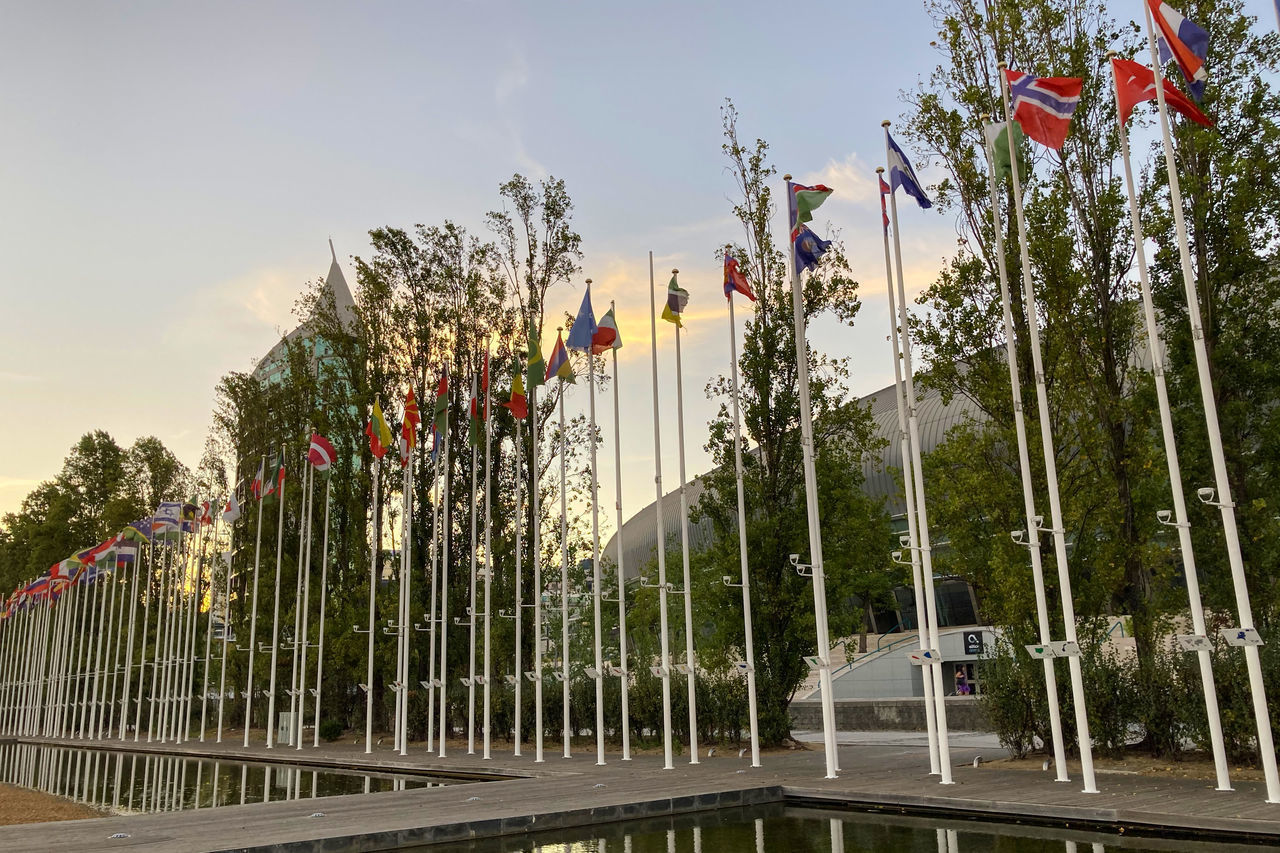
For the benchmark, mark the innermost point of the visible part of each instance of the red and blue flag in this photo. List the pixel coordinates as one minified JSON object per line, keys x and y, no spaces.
{"x":1182,"y":40}
{"x":734,"y":279}
{"x":1043,"y":105}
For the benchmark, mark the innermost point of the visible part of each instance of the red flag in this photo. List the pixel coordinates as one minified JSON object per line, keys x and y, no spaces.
{"x":1043,"y":105}
{"x":1136,"y":83}
{"x":734,"y":279}
{"x":320,"y":454}
{"x":885,"y":189}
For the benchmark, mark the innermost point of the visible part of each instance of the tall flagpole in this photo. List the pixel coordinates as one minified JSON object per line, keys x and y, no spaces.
{"x":566,"y":732}
{"x":253,"y":620}
{"x":304,"y":539}
{"x":373,"y":590}
{"x":1221,"y":497}
{"x":749,"y":648}
{"x":142,"y":639}
{"x":930,"y":608}
{"x":446,"y":529}
{"x":595,"y":554}
{"x":226,"y":620}
{"x":1028,"y":486}
{"x":488,"y":557}
{"x":664,"y":669}
{"x":1050,"y":463}
{"x":431,"y":614}
{"x":908,"y":489}
{"x":406,"y":598}
{"x":519,"y":598}
{"x":624,"y":674}
{"x":275,"y":619}
{"x":306,"y":606}
{"x":690,"y":661}
{"x":208,"y":633}
{"x":811,"y":506}
{"x":471,"y":605}
{"x":535,"y":553}
{"x":1155,"y":343}
{"x":324,"y":590}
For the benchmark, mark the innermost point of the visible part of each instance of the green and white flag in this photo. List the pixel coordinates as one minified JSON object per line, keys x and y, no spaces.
{"x":998,"y":140}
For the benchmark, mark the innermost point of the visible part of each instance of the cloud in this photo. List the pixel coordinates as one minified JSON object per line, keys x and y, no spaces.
{"x":10,"y":376}
{"x":852,"y":178}
{"x":511,"y":79}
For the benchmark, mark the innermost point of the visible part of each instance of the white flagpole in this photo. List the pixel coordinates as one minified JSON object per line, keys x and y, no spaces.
{"x":94,"y":660}
{"x":595,"y":555}
{"x":194,"y":619}
{"x":519,"y":599}
{"x":930,"y":608}
{"x":811,"y":506}
{"x":565,"y":730}
{"x":471,"y":606}
{"x":275,"y":619}
{"x":624,"y":674}
{"x":536,"y":555}
{"x":158,"y":647}
{"x":402,"y":631}
{"x":665,"y":666}
{"x":432,"y":620}
{"x":324,"y":594}
{"x":749,"y":648}
{"x":226,"y":620}
{"x":1222,"y":496}
{"x":1028,"y":486}
{"x":253,"y":619}
{"x":110,"y":694}
{"x":488,"y":558}
{"x":444,"y":593}
{"x":908,"y":488}
{"x":690,"y":660}
{"x":1050,"y":462}
{"x":305,"y":571}
{"x":208,"y":633}
{"x":304,"y":517}
{"x":142,"y":637}
{"x":374,"y":547}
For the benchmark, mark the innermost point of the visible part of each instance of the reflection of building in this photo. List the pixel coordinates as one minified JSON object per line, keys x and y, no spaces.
{"x":275,"y":364}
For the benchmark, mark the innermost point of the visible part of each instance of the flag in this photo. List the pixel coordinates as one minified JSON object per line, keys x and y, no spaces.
{"x":440,"y":415}
{"x":809,"y":248}
{"x":412,"y":418}
{"x":885,"y":189}
{"x":379,"y":433}
{"x":535,"y":370}
{"x":901,"y":174}
{"x":677,"y":299}
{"x":231,"y":512}
{"x":277,"y":462}
{"x":126,"y":555}
{"x":474,"y":428}
{"x":1180,"y":39}
{"x":167,"y":517}
{"x":1043,"y":105}
{"x":484,"y":384}
{"x":518,"y":403}
{"x":1136,"y":83}
{"x":559,"y":364}
{"x":734,"y":279}
{"x":802,"y":201}
{"x":137,"y":531}
{"x":206,"y":512}
{"x":320,"y":454}
{"x":60,"y":573}
{"x":997,"y":134}
{"x":584,"y":325}
{"x":606,"y":336}
{"x":435,"y":444}
{"x":256,"y":488}
{"x":280,"y":472}
{"x":89,"y":556}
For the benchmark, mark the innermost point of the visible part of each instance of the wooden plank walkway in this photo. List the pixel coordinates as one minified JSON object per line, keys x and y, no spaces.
{"x":561,"y":793}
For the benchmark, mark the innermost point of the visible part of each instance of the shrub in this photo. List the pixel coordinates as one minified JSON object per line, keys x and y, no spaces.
{"x":330,"y":730}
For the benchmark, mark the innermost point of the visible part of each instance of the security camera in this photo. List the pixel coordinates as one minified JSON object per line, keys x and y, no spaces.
{"x":1164,"y":515}
{"x":1019,"y":536}
{"x":726,"y":578}
{"x":1206,"y":494}
{"x":896,"y":556}
{"x":904,"y":540}
{"x":795,"y":559}
{"x":1038,"y":519}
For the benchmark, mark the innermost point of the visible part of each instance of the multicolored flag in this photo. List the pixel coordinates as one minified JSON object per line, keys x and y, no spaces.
{"x":584,"y":326}
{"x":440,"y":416}
{"x":279,"y":486}
{"x":167,"y":518}
{"x":475,"y":429}
{"x":997,"y":134}
{"x":734,"y":279}
{"x":677,"y":299}
{"x":901,"y":173}
{"x":559,"y":364}
{"x":802,"y":201}
{"x":518,"y":403}
{"x":1043,"y":105}
{"x":1136,"y":83}
{"x":808,"y":248}
{"x":258,"y":480}
{"x":885,"y":189}
{"x":206,"y":512}
{"x":320,"y":454}
{"x":1182,"y":40}
{"x":126,"y":555}
{"x":412,"y":420}
{"x":137,"y":531}
{"x":61,"y":573}
{"x":190,"y":516}
{"x":607,"y":336}
{"x":231,"y":512}
{"x":535,"y":370}
{"x":378,"y":431}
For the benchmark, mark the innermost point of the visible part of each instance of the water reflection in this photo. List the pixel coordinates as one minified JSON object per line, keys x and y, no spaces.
{"x":136,"y":783}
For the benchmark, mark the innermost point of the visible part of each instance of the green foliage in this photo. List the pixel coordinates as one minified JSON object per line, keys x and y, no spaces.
{"x":330,"y":730}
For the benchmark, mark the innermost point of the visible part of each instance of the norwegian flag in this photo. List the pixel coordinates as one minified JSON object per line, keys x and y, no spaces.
{"x":1182,"y":40}
{"x":1043,"y":105}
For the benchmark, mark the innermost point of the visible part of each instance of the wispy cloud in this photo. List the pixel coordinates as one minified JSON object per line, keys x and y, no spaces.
{"x":10,"y":376}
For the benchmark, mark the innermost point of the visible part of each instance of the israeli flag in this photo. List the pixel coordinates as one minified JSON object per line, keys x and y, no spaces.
{"x":902,"y":175}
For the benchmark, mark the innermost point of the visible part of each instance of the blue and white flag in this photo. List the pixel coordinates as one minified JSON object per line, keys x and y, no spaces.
{"x":902,"y":175}
{"x":584,"y":326}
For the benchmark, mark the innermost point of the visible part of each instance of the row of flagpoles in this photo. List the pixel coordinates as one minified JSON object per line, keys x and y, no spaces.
{"x":62,"y":688}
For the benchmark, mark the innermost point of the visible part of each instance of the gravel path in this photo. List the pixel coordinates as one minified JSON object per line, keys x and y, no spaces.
{"x":19,"y":805}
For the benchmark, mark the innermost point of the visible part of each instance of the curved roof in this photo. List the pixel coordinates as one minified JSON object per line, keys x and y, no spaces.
{"x":336,"y":282}
{"x":639,"y":533}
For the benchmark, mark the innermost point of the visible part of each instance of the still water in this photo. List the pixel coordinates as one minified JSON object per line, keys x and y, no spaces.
{"x":133,"y":783}
{"x":784,"y":829}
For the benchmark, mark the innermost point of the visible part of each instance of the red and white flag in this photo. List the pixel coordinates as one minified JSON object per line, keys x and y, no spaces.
{"x":206,"y":512}
{"x":321,"y":453}
{"x":231,"y":511}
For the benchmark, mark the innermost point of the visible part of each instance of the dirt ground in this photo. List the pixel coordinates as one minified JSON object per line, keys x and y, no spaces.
{"x":19,"y":805}
{"x":1191,"y":767}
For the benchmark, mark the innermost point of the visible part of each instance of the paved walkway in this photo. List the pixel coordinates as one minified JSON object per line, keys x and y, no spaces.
{"x":883,"y":770}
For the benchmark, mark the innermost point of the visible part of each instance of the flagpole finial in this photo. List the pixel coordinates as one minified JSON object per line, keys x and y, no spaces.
{"x":884,"y":123}
{"x":588,"y":282}
{"x":674,"y":271}
{"x":986,"y":117}
{"x":879,"y":170}
{"x":1110,"y":53}
{"x":1002,"y":65}
{"x":786,"y":177}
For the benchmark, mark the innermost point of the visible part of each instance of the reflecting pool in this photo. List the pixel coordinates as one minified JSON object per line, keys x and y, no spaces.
{"x":133,"y":783}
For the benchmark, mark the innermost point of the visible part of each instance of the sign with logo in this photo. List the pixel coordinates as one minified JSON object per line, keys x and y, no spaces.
{"x":974,"y":642}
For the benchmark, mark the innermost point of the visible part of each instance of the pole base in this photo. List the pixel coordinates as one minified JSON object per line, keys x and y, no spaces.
{"x":1091,"y":791}
{"x":1228,"y":789}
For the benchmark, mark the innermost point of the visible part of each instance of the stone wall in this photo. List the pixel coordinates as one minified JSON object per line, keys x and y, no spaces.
{"x":964,"y":713}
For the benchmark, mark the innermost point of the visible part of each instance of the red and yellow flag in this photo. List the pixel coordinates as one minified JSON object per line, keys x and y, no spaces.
{"x":378,"y":431}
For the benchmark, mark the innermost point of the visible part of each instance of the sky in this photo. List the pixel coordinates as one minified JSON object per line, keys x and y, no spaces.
{"x":170,"y":174}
